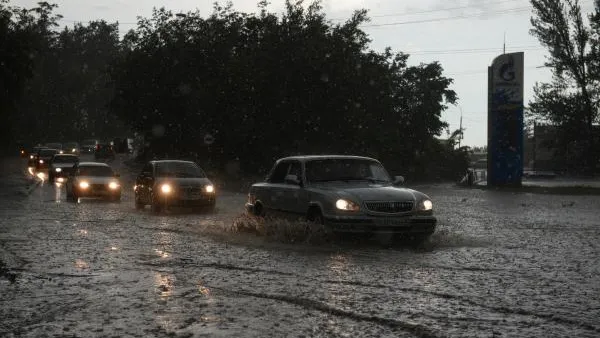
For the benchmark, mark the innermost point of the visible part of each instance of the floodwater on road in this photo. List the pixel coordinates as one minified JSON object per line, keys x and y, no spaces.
{"x":500,"y":264}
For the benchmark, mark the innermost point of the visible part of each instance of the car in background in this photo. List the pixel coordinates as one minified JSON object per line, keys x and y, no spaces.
{"x":61,"y":167}
{"x":93,"y":180}
{"x":34,"y":156}
{"x":174,"y":183}
{"x":44,"y":157}
{"x":347,"y":194}
{"x":88,"y":146}
{"x":71,"y":148}
{"x":55,"y":145}
{"x":104,"y":151}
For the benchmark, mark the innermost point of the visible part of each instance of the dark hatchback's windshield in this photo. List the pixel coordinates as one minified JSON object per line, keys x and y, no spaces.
{"x":54,"y":145}
{"x":345,"y":170}
{"x":179,"y":169}
{"x":48,"y":152}
{"x":65,"y":159}
{"x":99,"y":171}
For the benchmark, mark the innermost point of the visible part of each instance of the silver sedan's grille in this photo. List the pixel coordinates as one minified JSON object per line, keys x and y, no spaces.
{"x":389,"y":207}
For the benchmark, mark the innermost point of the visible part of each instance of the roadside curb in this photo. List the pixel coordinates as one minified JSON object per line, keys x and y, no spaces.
{"x":536,"y":189}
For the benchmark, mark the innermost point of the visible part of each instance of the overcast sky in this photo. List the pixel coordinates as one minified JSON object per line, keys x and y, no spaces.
{"x":463,"y":35}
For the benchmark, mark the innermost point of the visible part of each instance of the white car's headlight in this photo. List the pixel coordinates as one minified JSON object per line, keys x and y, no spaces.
{"x":166,"y":188}
{"x":209,"y":189}
{"x":425,"y":205}
{"x":346,"y":205}
{"x":58,"y":170}
{"x":31,"y":157}
{"x":113,"y":185}
{"x":84,"y":185}
{"x":41,"y":161}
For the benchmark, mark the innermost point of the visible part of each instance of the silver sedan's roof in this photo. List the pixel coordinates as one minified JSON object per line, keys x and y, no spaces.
{"x":305,"y":158}
{"x":93,"y":164}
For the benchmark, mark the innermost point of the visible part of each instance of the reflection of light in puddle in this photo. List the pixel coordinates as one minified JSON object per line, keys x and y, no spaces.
{"x":41,"y":176}
{"x":339,"y":264}
{"x":83,"y":232}
{"x":81,"y":264}
{"x":30,"y":170}
{"x":114,"y":248}
{"x":164,"y":284}
{"x":161,"y":253}
{"x":60,"y":180}
{"x":57,"y":192}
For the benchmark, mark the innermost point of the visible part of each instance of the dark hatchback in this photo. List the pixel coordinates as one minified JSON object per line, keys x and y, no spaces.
{"x":61,"y":166}
{"x":173,"y":183}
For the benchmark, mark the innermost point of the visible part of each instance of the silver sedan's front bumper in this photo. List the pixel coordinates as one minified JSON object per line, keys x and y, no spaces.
{"x":414,"y":224}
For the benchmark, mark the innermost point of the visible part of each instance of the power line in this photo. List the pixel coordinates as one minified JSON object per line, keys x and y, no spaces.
{"x":475,"y":72}
{"x":435,"y":10}
{"x":457,"y":17}
{"x":473,"y":50}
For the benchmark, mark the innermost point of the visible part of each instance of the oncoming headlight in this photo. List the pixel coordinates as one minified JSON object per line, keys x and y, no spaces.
{"x":113,"y":185}
{"x":346,"y":205}
{"x":84,"y":185}
{"x":58,"y":170}
{"x":209,"y":189}
{"x":73,"y":150}
{"x":425,"y":205}
{"x":166,"y":188}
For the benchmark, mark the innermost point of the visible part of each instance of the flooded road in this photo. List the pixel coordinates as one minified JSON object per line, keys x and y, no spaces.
{"x":500,"y":264}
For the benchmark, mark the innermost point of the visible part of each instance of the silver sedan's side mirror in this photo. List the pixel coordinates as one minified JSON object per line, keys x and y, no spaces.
{"x":398,"y":180}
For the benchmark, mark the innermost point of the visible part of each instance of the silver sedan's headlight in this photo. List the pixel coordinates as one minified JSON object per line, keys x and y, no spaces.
{"x":425,"y":205}
{"x":346,"y":205}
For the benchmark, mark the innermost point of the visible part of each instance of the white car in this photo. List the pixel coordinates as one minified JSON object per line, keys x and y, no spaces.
{"x":93,"y":179}
{"x":344,"y":193}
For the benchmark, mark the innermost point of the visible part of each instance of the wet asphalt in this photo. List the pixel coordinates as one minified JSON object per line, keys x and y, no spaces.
{"x":501,"y":264}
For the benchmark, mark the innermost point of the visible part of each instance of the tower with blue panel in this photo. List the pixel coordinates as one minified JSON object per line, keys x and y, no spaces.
{"x":505,"y":120}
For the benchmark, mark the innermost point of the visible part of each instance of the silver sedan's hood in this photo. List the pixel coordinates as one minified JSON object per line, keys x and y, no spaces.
{"x":370,"y":192}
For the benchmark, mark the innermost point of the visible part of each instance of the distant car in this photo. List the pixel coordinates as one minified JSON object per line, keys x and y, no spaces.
{"x":34,"y":156}
{"x":71,"y":148}
{"x":44,"y":157}
{"x":173,"y":183}
{"x":93,"y":179}
{"x":345,"y":194}
{"x":55,"y":145}
{"x":88,"y":146}
{"x":61,"y":167}
{"x":104,"y":151}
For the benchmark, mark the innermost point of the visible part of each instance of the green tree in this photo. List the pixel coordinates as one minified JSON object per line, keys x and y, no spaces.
{"x":572,"y":100}
{"x":267,"y":86}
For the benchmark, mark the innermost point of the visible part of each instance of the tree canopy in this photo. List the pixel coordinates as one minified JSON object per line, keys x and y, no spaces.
{"x":572,"y":100}
{"x":261,"y":85}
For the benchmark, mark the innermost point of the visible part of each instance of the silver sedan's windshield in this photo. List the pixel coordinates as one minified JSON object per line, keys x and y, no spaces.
{"x":345,"y":170}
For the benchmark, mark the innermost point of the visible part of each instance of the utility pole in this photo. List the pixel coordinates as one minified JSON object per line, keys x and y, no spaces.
{"x":504,"y":44}
{"x":460,"y":128}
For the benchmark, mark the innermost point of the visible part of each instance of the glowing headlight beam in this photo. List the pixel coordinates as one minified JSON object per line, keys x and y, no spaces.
{"x":84,"y":185}
{"x":209,"y":189}
{"x":342,"y":204}
{"x":427,"y":205}
{"x":58,"y":170}
{"x":113,"y":185}
{"x":166,"y":188}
